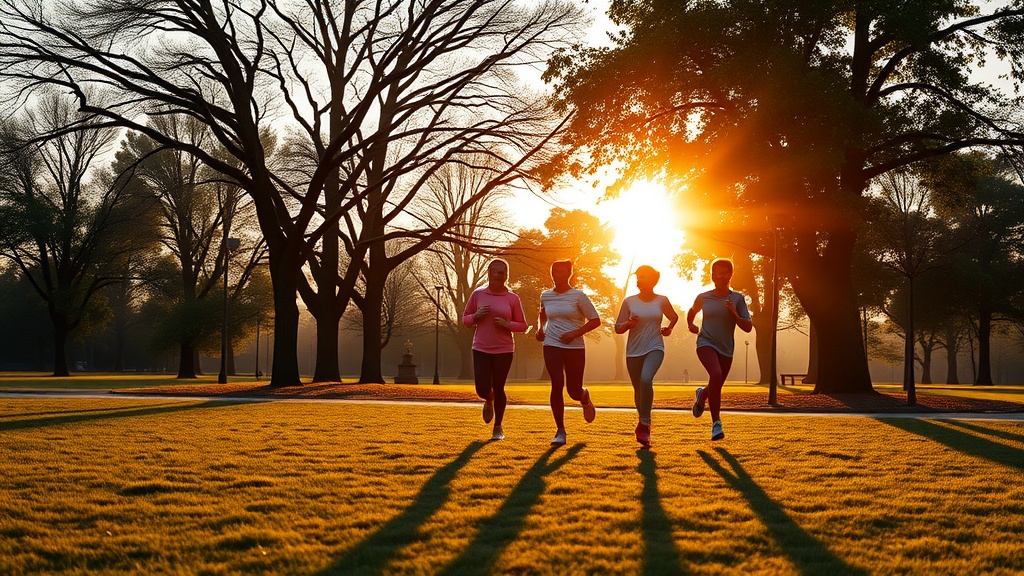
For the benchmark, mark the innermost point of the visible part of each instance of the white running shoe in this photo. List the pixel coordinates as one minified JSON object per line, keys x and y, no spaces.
{"x":589,"y":410}
{"x":716,"y":430}
{"x":698,"y":404}
{"x":559,"y":438}
{"x":498,"y":435}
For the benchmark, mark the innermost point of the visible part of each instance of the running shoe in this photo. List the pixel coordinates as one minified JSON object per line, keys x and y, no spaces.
{"x":489,"y":409}
{"x":698,"y":404}
{"x":589,"y":411}
{"x":498,"y":435}
{"x":716,"y":430}
{"x":643,"y":434}
{"x":559,"y":438}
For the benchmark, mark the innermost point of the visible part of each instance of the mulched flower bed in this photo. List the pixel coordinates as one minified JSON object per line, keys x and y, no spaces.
{"x":745,"y":401}
{"x":875,"y":402}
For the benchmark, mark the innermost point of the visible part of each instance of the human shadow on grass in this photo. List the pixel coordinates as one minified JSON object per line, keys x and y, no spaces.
{"x":1012,"y":437}
{"x":962,"y":441}
{"x":495,"y":533}
{"x":807,"y":554}
{"x":372,"y":554}
{"x":78,"y":416}
{"x":661,"y":556}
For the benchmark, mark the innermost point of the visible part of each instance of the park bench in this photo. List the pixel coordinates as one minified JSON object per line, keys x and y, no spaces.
{"x":792,"y":378}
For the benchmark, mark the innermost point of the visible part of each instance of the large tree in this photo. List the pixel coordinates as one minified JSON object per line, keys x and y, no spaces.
{"x":193,"y":208}
{"x":68,"y":228}
{"x":983,"y":197}
{"x":411,"y":87}
{"x":196,"y":59}
{"x":770,"y":115}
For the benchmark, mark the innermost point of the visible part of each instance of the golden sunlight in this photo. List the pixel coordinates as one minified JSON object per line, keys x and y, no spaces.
{"x":647,"y":231}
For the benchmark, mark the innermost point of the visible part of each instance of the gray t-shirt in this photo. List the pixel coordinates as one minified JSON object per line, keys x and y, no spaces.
{"x":718,"y":328}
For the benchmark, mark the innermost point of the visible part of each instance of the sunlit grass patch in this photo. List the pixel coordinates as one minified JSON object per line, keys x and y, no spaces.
{"x":122,"y":486}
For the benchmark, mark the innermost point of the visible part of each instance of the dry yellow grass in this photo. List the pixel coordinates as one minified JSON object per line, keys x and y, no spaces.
{"x":182,"y":487}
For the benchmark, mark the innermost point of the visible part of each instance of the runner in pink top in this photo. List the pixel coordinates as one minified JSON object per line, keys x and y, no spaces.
{"x":496,"y":312}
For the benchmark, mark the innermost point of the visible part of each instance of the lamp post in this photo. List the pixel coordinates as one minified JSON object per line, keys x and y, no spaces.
{"x":773,"y":382}
{"x":746,"y":361}
{"x":437,"y":333}
{"x":222,"y":378}
{"x":257,"y":369}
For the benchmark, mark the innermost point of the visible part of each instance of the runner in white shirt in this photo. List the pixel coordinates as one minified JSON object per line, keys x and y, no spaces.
{"x":566,"y":314}
{"x":641,"y":316}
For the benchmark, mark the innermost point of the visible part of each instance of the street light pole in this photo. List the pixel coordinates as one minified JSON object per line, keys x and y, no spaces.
{"x":222,"y":378}
{"x":257,"y":369}
{"x":437,"y":334}
{"x":773,"y":382}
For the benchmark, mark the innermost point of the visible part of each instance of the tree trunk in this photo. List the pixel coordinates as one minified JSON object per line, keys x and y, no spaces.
{"x":373,"y":303}
{"x":620,"y":357}
{"x":908,"y":347}
{"x":328,"y":362}
{"x":60,"y":352}
{"x":984,"y":347}
{"x":230,"y":360}
{"x":952,"y":370}
{"x":285,"y":267}
{"x":824,"y":285}
{"x":926,"y":364}
{"x":188,"y":360}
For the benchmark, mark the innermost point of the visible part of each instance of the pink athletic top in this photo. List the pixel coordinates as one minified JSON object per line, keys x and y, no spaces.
{"x":489,"y":337}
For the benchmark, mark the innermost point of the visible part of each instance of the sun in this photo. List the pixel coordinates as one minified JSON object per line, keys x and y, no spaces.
{"x":647,"y":231}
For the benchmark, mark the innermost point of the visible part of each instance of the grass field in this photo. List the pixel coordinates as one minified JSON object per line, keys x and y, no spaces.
{"x":98,"y":486}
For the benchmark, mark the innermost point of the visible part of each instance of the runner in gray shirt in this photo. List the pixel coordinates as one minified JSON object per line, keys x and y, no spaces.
{"x":724,"y":310}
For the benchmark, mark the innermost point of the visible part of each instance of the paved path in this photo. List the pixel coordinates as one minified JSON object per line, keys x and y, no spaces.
{"x":105,"y":394}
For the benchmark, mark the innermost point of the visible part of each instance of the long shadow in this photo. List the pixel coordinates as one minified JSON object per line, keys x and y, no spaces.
{"x":80,"y":416}
{"x":961,"y":441}
{"x":372,"y":554}
{"x":986,"y":431}
{"x":661,"y":557}
{"x":808,"y":554}
{"x":496,"y":532}
{"x":22,"y":415}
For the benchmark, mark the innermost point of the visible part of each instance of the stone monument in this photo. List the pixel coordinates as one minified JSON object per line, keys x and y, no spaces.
{"x":406,"y":368}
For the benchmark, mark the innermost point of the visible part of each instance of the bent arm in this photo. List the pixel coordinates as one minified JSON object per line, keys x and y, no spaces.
{"x":518,"y":321}
{"x":468,"y":315}
{"x":670,"y":312}
{"x":621,"y":319}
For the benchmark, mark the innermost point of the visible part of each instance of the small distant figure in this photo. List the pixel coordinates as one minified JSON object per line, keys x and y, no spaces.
{"x":641,"y":316}
{"x":724,"y":310}
{"x":566,"y":314}
{"x":496,"y":312}
{"x":408,"y":346}
{"x":686,"y":376}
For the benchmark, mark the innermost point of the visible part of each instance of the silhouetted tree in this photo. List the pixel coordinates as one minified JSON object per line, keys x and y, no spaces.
{"x":66,"y":229}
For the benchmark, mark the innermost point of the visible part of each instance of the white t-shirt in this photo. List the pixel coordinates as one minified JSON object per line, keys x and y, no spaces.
{"x":646,"y":335}
{"x":565,"y":312}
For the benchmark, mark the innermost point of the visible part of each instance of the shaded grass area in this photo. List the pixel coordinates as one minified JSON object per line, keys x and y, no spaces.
{"x":210,"y":487}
